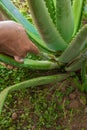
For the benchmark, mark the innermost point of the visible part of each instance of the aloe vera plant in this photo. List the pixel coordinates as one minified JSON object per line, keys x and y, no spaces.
{"x":60,"y":37}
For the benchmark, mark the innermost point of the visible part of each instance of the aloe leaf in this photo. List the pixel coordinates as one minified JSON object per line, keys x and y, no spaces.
{"x":76,"y":46}
{"x":40,"y":65}
{"x":83,"y":72}
{"x":45,"y":25}
{"x":51,"y":8}
{"x":29,"y":63}
{"x":76,"y":65}
{"x":79,"y":62}
{"x":64,"y":19}
{"x":30,"y":83}
{"x":78,"y":7}
{"x":54,"y":1}
{"x":8,"y":8}
{"x":9,"y":60}
{"x":84,"y":85}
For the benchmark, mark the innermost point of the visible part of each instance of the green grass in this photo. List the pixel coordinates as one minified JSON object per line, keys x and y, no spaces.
{"x":40,"y":107}
{"x":24,"y":8}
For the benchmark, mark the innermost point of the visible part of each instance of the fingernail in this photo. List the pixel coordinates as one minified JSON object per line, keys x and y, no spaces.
{"x":21,"y":60}
{"x":18,"y":59}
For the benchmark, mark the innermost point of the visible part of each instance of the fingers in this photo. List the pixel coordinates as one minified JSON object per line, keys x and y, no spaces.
{"x":28,"y":44}
{"x":34,"y":49}
{"x":31,"y":47}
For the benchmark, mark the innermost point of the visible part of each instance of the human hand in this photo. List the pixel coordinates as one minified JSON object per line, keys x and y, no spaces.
{"x":14,"y":41}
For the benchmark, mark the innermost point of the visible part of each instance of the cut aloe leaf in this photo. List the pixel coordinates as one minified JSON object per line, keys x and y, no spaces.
{"x":29,"y":63}
{"x":30,"y":83}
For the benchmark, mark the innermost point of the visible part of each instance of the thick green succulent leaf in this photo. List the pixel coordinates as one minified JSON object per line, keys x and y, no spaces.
{"x":78,"y":62}
{"x":40,"y":65}
{"x":30,"y":83}
{"x":45,"y":25}
{"x":76,"y":65}
{"x":83,"y":72}
{"x":78,"y":7}
{"x":76,"y":46}
{"x":51,"y":8}
{"x":8,"y":8}
{"x":29,"y":63}
{"x":84,"y":85}
{"x":54,"y":2}
{"x":64,"y":19}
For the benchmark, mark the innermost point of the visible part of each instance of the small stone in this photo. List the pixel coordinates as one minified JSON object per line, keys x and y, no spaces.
{"x":10,"y":67}
{"x":3,"y":64}
{"x":72,"y":96}
{"x":14,"y":116}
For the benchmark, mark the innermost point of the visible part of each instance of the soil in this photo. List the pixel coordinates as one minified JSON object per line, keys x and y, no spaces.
{"x":74,"y":112}
{"x":77,"y":105}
